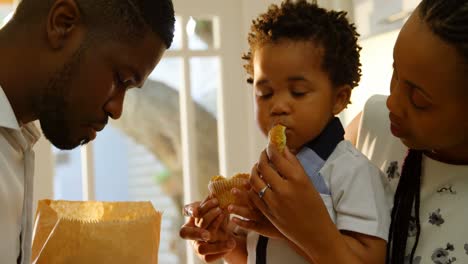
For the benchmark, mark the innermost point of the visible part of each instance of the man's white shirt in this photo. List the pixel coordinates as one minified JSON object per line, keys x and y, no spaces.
{"x":16,"y":184}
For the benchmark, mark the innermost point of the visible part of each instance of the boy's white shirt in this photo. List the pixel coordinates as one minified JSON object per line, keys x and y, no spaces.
{"x":357,"y":202}
{"x":16,"y":184}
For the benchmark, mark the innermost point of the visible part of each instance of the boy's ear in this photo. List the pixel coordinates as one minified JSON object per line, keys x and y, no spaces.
{"x":342,"y":98}
{"x":63,"y":18}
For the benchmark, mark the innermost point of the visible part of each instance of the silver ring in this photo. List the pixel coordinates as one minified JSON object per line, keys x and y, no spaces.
{"x":261,"y":193}
{"x":187,"y":211}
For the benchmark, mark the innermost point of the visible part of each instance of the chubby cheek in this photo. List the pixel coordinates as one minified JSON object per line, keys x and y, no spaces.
{"x":262,"y":119}
{"x":262,"y":124}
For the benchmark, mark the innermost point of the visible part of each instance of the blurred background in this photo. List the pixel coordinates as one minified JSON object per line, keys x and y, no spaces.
{"x":194,"y":117}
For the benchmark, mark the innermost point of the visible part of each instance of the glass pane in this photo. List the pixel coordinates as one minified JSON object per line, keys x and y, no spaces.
{"x":205,"y":82}
{"x":200,"y":33}
{"x":137,"y":158}
{"x":111,"y":166}
{"x":67,"y":181}
{"x":6,"y":11}
{"x":177,"y":41}
{"x":205,"y":74}
{"x":169,"y":71}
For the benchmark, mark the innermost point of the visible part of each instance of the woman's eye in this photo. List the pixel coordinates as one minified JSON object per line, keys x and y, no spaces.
{"x":419,"y":100}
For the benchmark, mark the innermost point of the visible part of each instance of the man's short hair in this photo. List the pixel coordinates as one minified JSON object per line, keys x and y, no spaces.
{"x":111,"y":18}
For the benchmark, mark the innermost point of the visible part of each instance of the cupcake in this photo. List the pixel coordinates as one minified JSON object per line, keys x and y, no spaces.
{"x":220,"y":187}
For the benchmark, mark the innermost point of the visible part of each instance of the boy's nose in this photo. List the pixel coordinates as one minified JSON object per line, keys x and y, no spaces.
{"x":280,"y":107}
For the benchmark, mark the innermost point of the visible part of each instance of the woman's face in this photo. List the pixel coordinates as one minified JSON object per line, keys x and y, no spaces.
{"x":429,"y":91}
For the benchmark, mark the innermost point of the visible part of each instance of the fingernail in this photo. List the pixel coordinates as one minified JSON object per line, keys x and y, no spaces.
{"x":230,"y":208}
{"x":234,"y":191}
{"x":231,"y":243}
{"x":205,"y":235}
{"x":215,"y":201}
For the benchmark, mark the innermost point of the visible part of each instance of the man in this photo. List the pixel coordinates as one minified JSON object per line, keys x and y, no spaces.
{"x":68,"y":64}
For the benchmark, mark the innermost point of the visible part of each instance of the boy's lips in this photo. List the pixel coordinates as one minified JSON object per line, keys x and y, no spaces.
{"x":279,"y":122}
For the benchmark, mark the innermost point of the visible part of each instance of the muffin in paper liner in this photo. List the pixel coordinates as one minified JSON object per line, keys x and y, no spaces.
{"x":277,"y":137}
{"x":220,"y":187}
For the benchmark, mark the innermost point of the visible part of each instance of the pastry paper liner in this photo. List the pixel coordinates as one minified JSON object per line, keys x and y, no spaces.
{"x":221,"y":187}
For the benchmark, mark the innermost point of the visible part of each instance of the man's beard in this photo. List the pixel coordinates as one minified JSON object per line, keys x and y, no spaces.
{"x":54,"y":109}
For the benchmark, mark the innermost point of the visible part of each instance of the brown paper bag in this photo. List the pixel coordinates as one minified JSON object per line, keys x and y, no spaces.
{"x":96,"y":233}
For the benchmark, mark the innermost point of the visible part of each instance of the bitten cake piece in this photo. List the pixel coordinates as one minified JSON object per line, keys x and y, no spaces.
{"x":277,"y":137}
{"x":220,"y":187}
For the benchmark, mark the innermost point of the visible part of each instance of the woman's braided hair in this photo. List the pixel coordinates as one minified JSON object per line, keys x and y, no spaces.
{"x":447,"y":19}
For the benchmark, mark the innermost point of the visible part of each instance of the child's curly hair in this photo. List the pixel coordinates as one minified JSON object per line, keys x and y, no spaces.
{"x":299,"y":21}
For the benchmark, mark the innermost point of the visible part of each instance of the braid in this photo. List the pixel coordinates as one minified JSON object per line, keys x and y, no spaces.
{"x":407,"y":197}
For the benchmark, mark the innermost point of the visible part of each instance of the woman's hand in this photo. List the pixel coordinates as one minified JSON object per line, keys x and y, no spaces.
{"x":291,"y":201}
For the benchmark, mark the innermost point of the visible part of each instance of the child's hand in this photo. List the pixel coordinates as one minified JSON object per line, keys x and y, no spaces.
{"x":213,"y":219}
{"x":206,"y":251}
{"x":254,"y":219}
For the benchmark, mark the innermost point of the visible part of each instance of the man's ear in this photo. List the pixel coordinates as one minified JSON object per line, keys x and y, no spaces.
{"x":63,"y":18}
{"x":342,"y":98}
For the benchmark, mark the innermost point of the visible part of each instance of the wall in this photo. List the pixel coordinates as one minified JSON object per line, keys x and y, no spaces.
{"x":375,"y":17}
{"x":377,"y":60}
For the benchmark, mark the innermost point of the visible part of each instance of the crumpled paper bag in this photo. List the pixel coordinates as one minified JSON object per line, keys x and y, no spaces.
{"x":92,"y":232}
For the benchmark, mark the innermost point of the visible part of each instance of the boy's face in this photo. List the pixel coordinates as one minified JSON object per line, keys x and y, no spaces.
{"x":292,"y":89}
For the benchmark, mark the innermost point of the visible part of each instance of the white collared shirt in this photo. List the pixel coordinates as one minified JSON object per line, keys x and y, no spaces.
{"x":16,"y":184}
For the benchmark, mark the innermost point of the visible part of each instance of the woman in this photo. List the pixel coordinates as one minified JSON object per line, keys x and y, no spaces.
{"x":426,"y":112}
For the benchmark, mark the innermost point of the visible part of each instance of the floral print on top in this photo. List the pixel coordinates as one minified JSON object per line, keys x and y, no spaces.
{"x":441,"y":201}
{"x":435,"y":218}
{"x":442,"y":255}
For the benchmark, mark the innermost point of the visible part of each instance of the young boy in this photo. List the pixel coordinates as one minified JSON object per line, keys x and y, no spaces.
{"x":304,"y":62}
